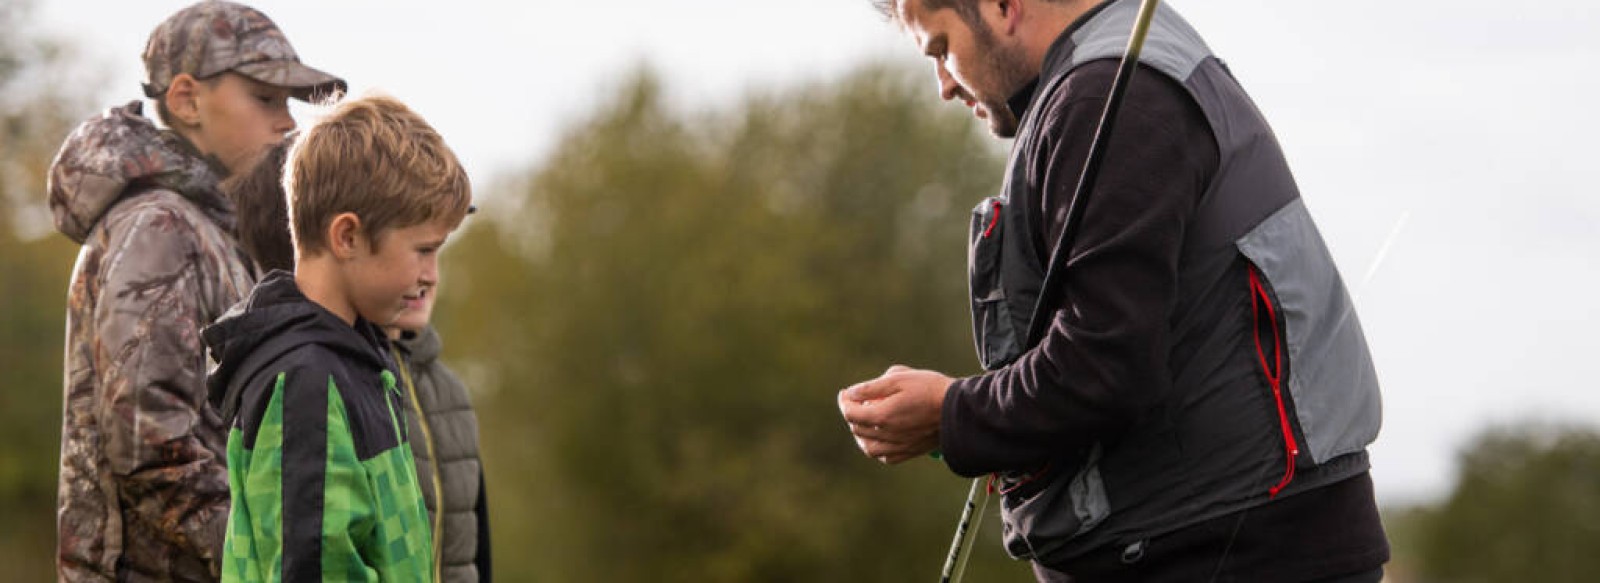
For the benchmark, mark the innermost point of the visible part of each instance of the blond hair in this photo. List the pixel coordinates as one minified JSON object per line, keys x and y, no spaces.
{"x":374,"y":157}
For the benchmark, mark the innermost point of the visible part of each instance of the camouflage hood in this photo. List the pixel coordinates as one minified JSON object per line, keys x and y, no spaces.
{"x":120,"y":152}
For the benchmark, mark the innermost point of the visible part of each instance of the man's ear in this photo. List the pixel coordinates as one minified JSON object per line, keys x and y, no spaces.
{"x":1007,"y":16}
{"x":345,"y":237}
{"x":182,"y":100}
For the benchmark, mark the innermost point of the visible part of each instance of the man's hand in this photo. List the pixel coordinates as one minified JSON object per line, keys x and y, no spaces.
{"x":895,"y":417}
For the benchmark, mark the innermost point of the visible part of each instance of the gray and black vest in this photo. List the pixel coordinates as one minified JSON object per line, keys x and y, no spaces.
{"x":1220,"y":444}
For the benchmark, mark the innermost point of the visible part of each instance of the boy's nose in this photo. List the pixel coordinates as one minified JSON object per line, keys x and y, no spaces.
{"x":284,"y":123}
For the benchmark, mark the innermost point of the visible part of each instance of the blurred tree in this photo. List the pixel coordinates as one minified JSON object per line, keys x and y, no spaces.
{"x":657,"y":320}
{"x":38,"y":106}
{"x":1526,"y":508}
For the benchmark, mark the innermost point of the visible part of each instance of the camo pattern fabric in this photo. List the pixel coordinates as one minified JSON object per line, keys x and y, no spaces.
{"x":143,"y":491}
{"x":209,"y":38}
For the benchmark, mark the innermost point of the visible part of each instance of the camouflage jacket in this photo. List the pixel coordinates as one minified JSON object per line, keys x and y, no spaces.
{"x":143,"y":487}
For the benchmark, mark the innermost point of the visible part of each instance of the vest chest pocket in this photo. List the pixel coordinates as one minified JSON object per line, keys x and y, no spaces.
{"x":993,"y":327}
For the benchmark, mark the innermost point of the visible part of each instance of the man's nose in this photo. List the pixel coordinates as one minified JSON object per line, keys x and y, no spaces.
{"x":948,"y":88}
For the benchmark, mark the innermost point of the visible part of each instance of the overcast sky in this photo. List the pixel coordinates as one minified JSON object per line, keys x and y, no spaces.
{"x":1454,"y":139}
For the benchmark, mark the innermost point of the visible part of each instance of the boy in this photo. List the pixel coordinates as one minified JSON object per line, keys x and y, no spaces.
{"x":439,"y":413}
{"x":143,"y":493}
{"x":322,"y":477}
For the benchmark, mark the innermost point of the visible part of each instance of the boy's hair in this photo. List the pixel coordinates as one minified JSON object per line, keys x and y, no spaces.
{"x":374,"y":157}
{"x":262,"y":209}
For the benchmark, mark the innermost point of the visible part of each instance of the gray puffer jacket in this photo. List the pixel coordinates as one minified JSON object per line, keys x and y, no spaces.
{"x":444,"y":432}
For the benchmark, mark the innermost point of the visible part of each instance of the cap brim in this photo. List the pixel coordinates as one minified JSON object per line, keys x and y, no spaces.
{"x":307,"y":84}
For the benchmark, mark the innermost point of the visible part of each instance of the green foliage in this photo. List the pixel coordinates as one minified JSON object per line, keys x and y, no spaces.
{"x":34,"y":118}
{"x":659,"y":317}
{"x":1526,"y":508}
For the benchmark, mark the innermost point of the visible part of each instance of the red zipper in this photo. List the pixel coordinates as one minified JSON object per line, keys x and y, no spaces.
{"x":992,"y":487}
{"x":1274,"y":374}
{"x":994,"y":219}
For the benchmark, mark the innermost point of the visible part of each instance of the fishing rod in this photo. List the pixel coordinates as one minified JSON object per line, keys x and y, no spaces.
{"x":967,"y":529}
{"x":966,"y":532}
{"x":1055,"y":276}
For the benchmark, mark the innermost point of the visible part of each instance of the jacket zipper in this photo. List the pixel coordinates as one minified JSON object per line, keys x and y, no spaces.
{"x":994,"y":219}
{"x":1274,"y":374}
{"x":433,"y":462}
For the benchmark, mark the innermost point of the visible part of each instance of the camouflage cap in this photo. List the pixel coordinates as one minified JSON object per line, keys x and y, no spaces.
{"x":212,"y":37}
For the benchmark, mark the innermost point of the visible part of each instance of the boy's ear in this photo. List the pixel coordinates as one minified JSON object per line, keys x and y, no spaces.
{"x":345,"y":236}
{"x":182,"y":100}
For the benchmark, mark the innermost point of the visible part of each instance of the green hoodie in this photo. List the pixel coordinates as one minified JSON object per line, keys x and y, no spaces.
{"x":324,"y":486}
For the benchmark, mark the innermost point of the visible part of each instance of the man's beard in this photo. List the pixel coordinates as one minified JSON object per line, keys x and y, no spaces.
{"x":1006,"y":68}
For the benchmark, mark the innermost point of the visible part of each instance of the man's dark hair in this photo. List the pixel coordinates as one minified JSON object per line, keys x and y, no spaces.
{"x":968,"y":9}
{"x":263,"y":210}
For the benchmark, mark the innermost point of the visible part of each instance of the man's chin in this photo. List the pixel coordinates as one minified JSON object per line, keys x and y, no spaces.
{"x":1001,"y":123}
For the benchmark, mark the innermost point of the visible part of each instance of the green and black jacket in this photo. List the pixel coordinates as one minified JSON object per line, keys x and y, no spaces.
{"x":323,"y":483}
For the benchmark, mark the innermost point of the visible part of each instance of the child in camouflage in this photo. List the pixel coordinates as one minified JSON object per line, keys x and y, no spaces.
{"x":143,"y":493}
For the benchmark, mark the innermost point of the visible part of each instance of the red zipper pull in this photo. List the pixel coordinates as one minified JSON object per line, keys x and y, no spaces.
{"x":994,"y":219}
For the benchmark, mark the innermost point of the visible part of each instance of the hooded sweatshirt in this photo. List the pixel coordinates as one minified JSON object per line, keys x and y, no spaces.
{"x":143,"y":493}
{"x":324,"y":483}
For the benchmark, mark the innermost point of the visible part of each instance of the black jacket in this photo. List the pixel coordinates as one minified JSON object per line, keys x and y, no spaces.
{"x":1203,"y":360}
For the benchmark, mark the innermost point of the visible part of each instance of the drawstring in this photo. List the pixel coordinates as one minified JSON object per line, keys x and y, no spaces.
{"x":1274,"y":374}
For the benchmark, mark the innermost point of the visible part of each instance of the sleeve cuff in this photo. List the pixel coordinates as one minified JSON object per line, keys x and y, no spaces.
{"x":954,"y":442}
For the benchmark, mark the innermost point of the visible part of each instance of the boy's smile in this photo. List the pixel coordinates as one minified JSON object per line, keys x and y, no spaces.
{"x":397,"y":272}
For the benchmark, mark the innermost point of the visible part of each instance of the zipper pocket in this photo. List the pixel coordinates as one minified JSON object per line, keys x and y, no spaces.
{"x":1261,"y":301}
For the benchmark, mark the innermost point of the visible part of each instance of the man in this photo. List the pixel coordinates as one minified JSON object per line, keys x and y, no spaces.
{"x":143,"y":488}
{"x":1200,"y":406}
